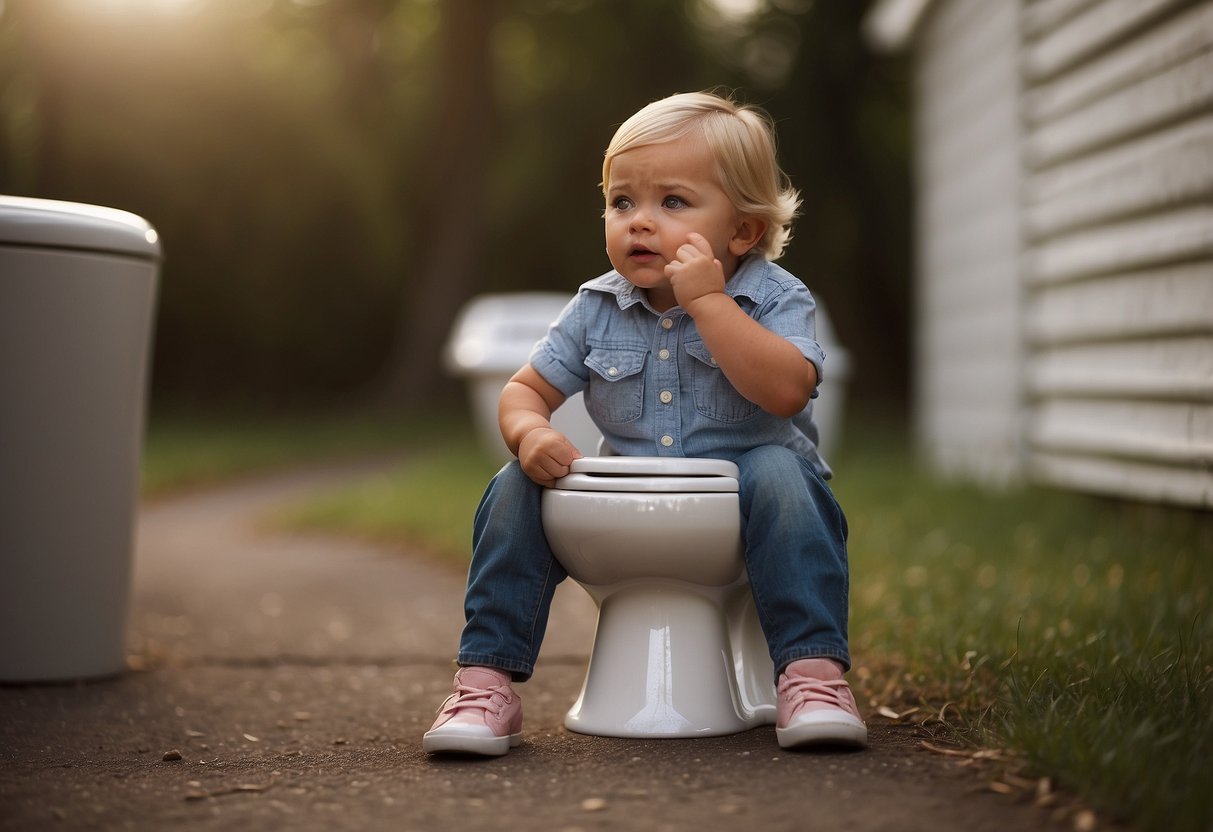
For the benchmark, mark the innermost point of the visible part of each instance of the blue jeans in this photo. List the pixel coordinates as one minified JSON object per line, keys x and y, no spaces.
{"x":795,"y":551}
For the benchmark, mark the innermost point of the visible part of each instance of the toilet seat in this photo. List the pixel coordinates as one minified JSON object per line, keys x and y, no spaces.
{"x":650,"y":474}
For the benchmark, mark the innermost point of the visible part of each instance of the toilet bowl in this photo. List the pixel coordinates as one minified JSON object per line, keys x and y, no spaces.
{"x":656,"y":542}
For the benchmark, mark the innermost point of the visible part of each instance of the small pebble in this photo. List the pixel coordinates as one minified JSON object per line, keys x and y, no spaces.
{"x":171,"y":756}
{"x":593,"y":804}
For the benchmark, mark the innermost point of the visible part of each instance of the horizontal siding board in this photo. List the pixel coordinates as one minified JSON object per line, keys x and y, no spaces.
{"x":1042,"y":15}
{"x":1121,"y":478}
{"x":1085,"y":34}
{"x":1182,"y":91}
{"x":1172,"y":433}
{"x":1165,"y":369}
{"x":1162,"y":170}
{"x":1157,"y":303}
{"x":1178,"y":39}
{"x":1183,"y":234}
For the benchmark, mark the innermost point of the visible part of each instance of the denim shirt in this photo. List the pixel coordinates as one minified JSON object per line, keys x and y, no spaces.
{"x":650,"y":383}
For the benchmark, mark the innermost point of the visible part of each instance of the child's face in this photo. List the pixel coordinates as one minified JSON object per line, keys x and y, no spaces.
{"x":658,"y":195}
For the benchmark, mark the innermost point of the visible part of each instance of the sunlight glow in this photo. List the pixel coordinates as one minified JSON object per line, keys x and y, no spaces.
{"x":135,"y":5}
{"x":737,"y":10}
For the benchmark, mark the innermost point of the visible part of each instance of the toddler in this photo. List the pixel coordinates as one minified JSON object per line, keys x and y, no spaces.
{"x":697,"y":208}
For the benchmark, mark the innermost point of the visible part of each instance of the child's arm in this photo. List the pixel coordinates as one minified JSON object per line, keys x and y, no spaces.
{"x":523,"y":413}
{"x":764,"y":367}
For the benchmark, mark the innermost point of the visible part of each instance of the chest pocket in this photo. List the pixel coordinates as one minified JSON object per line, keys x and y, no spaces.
{"x":616,"y":390}
{"x":715,"y":396}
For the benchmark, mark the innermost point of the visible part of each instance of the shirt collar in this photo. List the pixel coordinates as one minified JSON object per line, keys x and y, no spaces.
{"x":747,"y":281}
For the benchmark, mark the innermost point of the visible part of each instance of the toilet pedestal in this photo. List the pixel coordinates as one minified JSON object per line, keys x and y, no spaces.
{"x":683,"y":685}
{"x":657,"y":543}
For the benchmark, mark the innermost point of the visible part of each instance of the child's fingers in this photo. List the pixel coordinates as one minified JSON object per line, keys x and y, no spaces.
{"x":700,"y":242}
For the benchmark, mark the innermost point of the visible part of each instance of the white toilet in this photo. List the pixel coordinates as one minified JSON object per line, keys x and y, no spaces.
{"x":656,"y":542}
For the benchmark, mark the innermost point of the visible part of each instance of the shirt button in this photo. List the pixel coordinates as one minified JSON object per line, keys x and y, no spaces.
{"x":663,"y":354}
{"x":614,"y":371}
{"x":667,"y":323}
{"x":713,"y":360}
{"x":667,"y":440}
{"x":666,"y":397}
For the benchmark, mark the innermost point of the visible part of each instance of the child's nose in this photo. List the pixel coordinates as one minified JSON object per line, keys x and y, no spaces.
{"x":642,"y":220}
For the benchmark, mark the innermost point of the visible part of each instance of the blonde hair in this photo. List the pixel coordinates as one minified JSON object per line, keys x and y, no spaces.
{"x":742,"y":140}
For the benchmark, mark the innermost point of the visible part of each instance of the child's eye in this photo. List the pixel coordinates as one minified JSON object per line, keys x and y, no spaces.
{"x":621,"y":203}
{"x":673,"y":203}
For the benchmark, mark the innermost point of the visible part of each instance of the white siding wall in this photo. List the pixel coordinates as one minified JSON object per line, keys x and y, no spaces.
{"x":969,"y":353}
{"x":1118,"y":232}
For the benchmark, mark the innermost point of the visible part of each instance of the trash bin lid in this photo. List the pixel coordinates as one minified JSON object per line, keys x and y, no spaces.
{"x":47,"y":223}
{"x":494,"y":333}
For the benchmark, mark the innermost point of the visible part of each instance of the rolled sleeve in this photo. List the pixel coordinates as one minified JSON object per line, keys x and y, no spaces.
{"x":560,"y":356}
{"x":791,"y":314}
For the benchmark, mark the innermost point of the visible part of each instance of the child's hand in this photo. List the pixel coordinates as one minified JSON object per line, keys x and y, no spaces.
{"x":695,"y":272}
{"x":545,"y":455}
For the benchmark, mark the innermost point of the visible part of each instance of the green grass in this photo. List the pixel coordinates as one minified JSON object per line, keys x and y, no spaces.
{"x":184,"y":451}
{"x":427,"y":503}
{"x":1072,"y":633}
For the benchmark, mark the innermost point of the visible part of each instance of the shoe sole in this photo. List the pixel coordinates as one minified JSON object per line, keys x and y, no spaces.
{"x":817,"y":734}
{"x":445,"y":742}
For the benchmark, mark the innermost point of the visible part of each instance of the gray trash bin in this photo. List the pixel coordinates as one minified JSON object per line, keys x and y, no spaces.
{"x":77,"y":292}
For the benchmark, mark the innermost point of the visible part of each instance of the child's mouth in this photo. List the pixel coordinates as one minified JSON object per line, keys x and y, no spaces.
{"x":641,"y":251}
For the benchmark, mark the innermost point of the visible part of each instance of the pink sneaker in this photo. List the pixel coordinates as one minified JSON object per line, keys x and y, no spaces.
{"x":482,"y":716}
{"x":817,"y":712}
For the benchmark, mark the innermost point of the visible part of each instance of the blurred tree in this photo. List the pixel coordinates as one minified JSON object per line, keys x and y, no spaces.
{"x":333,"y":178}
{"x":26,"y":44}
{"x":569,"y":73}
{"x":222,"y":126}
{"x":448,"y":205}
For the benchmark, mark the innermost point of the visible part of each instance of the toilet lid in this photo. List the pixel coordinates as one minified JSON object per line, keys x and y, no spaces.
{"x":650,"y":474}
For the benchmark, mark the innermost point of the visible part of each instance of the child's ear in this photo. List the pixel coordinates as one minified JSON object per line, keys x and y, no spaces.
{"x":747,"y":234}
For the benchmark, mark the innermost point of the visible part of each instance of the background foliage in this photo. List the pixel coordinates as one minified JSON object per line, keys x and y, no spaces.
{"x":333,"y":178}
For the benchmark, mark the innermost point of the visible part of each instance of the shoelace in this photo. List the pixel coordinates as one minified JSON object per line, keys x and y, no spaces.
{"x":482,"y":698}
{"x":803,"y":691}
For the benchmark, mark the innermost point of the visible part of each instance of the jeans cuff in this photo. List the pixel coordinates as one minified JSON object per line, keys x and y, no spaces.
{"x":519,"y":671}
{"x":842,"y":656}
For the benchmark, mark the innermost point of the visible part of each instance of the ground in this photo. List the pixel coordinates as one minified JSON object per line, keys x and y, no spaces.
{"x":284,"y":681}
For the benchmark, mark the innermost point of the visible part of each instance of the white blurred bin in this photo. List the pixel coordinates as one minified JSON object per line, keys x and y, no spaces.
{"x":77,"y":290}
{"x":493,"y":335}
{"x":491,"y":339}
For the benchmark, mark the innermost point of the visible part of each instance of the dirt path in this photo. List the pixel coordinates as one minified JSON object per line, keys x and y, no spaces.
{"x":295,"y":675}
